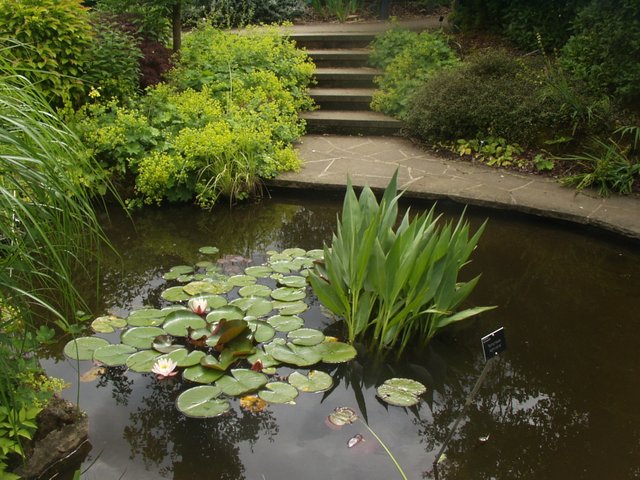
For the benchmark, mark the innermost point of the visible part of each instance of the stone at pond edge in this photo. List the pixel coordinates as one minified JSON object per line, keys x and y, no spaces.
{"x":61,"y":436}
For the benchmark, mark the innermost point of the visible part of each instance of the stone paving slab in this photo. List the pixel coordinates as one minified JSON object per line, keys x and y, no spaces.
{"x":329,"y":159}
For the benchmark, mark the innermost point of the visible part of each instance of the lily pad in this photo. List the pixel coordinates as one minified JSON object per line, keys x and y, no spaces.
{"x":256,"y":306}
{"x":185,"y":278}
{"x":278,"y":392}
{"x":184,"y":358}
{"x":259,"y":271}
{"x":262,"y":331}
{"x":316,"y":381}
{"x":178,"y":323}
{"x":177,"y":271}
{"x":213,"y":300}
{"x":256,"y":290}
{"x":241,"y":382}
{"x":175,"y":294}
{"x":241,"y":280}
{"x":141,"y":337}
{"x":221,"y":364}
{"x":226,"y":331}
{"x":202,"y":402}
{"x":402,"y":392}
{"x":164,"y":344}
{"x":108,"y":324}
{"x":82,"y":348}
{"x":205,"y":264}
{"x":336,"y":352}
{"x":142,"y":361}
{"x":293,"y":281}
{"x":200,"y":287}
{"x":283,"y":266}
{"x":343,"y":416}
{"x":306,"y":337}
{"x":267,"y":360}
{"x":315,"y":254}
{"x":294,"y":252}
{"x":293,"y":354}
{"x":199,"y":374}
{"x":285,"y":323}
{"x":146,"y":317}
{"x":208,"y":250}
{"x":290,"y":308}
{"x":226,"y":312}
{"x":286,"y":294}
{"x":113,"y":355}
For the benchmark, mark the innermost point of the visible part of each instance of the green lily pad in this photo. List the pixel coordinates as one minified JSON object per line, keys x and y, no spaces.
{"x":177,"y":271}
{"x":293,"y":354}
{"x":221,"y":364}
{"x":202,"y":402}
{"x":343,"y":416}
{"x":208,"y":250}
{"x":256,"y":306}
{"x":279,"y":257}
{"x":262,"y":331}
{"x":82,"y":348}
{"x":294,"y":252}
{"x":141,"y":337}
{"x":256,"y":290}
{"x":199,"y":374}
{"x":142,"y":361}
{"x":286,"y":294}
{"x":113,"y":355}
{"x":290,"y":308}
{"x":178,"y":323}
{"x":316,"y":381}
{"x":283,"y":266}
{"x":146,"y":317}
{"x":306,"y":337}
{"x":185,"y":358}
{"x":241,"y":280}
{"x":227,"y":330}
{"x":205,"y":264}
{"x":285,"y":323}
{"x":108,"y":324}
{"x":213,"y":300}
{"x":336,"y":352}
{"x":402,"y":392}
{"x":267,"y":360}
{"x":200,"y":287}
{"x":241,"y":382}
{"x":226,"y":312}
{"x":167,"y":310}
{"x":259,"y":271}
{"x":164,"y":344}
{"x":175,"y":294}
{"x":315,"y":254}
{"x":185,"y":278}
{"x":293,"y":281}
{"x":278,"y":392}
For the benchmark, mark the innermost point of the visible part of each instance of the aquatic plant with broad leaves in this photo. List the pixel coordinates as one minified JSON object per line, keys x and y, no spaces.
{"x":396,"y":284}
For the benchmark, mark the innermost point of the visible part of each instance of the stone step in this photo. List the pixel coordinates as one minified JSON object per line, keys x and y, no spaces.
{"x":314,"y":40}
{"x":348,"y":122}
{"x":342,"y":98}
{"x":346,"y":77}
{"x":340,"y":57}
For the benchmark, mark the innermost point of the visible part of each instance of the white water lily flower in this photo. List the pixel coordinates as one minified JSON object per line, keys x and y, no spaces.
{"x":198,"y":305}
{"x":164,"y":367}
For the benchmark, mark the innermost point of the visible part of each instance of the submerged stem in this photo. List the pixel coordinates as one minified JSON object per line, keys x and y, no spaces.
{"x":393,"y":459}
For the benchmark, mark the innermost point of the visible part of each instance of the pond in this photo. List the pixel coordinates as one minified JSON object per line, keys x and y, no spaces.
{"x":561,"y":402}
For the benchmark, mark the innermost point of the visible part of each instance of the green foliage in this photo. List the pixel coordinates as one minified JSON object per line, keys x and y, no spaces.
{"x":53,"y":37}
{"x":492,"y":94}
{"x":610,"y":166}
{"x":421,"y":58}
{"x":112,"y":66}
{"x":604,"y":49}
{"x":494,"y":151}
{"x":340,"y":9}
{"x":397,"y":284}
{"x":236,"y":13}
{"x":385,"y":47}
{"x":149,"y":17}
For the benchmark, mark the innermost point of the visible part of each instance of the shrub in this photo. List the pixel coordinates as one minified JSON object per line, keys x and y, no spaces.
{"x":149,"y":18}
{"x":113,"y":60}
{"x":492,"y":94}
{"x":398,"y":284}
{"x":387,"y":46}
{"x":604,"y":49}
{"x":53,"y":36}
{"x":417,"y":61}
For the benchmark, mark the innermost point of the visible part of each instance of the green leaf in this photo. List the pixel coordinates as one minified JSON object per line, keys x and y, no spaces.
{"x":178,"y":323}
{"x":113,"y":355}
{"x":262,"y":331}
{"x":242,"y":381}
{"x":201,"y":287}
{"x":286,"y":294}
{"x":164,"y":344}
{"x":316,"y":381}
{"x":108,"y":324}
{"x":293,"y":281}
{"x":260,"y":271}
{"x":142,"y":361}
{"x":202,"y":402}
{"x":141,"y":337}
{"x":293,"y":354}
{"x":285,"y":323}
{"x":290,"y":308}
{"x":336,"y":352}
{"x":199,"y":374}
{"x":255,"y":291}
{"x":146,"y":317}
{"x":184,"y":358}
{"x":82,"y":348}
{"x":278,"y":392}
{"x":402,"y":392}
{"x":306,"y":337}
{"x":254,"y":306}
{"x":175,"y":294}
{"x":227,"y":312}
{"x":208,"y":250}
{"x":241,"y":280}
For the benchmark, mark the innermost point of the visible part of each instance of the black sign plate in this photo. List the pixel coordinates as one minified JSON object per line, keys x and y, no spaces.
{"x":494,"y":343}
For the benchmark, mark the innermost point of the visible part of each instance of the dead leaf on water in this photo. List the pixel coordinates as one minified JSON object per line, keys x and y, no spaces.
{"x":92,"y":374}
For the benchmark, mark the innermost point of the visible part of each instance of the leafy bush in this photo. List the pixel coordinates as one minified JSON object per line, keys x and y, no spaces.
{"x":113,"y":60}
{"x":399,"y":284}
{"x":417,"y":61}
{"x":387,"y":46}
{"x":492,"y":94}
{"x":604,"y":49}
{"x":340,"y":9}
{"x":149,"y":18}
{"x":53,"y":36}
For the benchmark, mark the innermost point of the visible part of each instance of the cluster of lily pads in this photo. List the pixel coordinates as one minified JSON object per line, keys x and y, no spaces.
{"x":228,"y":346}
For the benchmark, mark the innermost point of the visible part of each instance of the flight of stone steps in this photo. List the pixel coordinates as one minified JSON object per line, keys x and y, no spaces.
{"x":344,"y":85}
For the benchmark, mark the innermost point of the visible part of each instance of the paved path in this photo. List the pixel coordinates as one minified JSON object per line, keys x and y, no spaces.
{"x":373,"y":160}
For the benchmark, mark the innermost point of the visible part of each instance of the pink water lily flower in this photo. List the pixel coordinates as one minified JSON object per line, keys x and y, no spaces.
{"x":198,"y":305}
{"x":164,"y":368}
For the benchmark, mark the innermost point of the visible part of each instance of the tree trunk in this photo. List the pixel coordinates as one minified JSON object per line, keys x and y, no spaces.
{"x":176,"y":22}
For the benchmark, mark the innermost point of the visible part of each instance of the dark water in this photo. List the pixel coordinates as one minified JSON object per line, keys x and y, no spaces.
{"x":562,"y":403}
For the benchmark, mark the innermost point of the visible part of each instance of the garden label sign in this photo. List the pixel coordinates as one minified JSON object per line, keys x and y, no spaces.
{"x":493,"y":344}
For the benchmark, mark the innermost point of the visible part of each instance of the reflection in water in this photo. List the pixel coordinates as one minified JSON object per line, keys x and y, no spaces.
{"x":561,"y":403}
